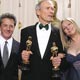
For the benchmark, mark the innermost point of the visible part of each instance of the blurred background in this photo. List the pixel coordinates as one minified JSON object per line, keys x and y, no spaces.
{"x":24,"y":10}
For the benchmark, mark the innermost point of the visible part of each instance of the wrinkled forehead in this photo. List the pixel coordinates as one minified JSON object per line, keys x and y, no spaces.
{"x":47,"y":3}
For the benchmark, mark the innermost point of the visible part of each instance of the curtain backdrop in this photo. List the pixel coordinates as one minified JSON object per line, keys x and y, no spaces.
{"x":24,"y":10}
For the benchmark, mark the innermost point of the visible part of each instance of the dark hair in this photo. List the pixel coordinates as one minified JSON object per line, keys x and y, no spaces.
{"x":9,"y":16}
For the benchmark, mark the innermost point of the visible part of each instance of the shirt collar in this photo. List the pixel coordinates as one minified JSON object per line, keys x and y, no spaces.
{"x":2,"y":40}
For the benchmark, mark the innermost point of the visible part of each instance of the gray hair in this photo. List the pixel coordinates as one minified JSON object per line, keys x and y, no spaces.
{"x":9,"y":16}
{"x":38,"y":5}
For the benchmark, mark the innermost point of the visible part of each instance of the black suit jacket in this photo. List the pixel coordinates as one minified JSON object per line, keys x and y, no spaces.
{"x":40,"y":69}
{"x":10,"y":72}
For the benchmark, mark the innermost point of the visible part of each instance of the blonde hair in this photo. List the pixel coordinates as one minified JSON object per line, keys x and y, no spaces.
{"x":64,"y":38}
{"x":55,"y":6}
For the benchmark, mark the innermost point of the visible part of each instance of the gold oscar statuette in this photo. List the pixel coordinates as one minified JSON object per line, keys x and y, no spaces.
{"x":55,"y":69}
{"x":29,"y":43}
{"x":26,"y":66}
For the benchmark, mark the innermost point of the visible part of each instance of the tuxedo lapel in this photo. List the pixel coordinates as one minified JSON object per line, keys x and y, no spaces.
{"x":35,"y":40}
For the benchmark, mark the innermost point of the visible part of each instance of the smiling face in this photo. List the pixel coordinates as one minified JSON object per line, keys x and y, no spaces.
{"x":7,"y":28}
{"x":45,"y":13}
{"x":68,"y":28}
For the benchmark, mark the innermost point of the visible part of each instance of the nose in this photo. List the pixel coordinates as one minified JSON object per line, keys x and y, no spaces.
{"x":68,"y":27}
{"x":52,"y":10}
{"x":8,"y":27}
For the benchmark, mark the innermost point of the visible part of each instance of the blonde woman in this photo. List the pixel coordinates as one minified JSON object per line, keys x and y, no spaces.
{"x":70,"y":36}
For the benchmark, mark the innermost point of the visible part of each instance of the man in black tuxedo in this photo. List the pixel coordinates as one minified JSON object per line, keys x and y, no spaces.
{"x":42,"y":41}
{"x":8,"y":54}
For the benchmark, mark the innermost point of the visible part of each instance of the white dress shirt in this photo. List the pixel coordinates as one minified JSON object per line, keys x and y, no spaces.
{"x":9,"y":45}
{"x":43,"y":36}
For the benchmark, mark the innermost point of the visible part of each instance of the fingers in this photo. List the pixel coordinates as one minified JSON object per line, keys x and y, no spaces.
{"x":61,"y":55}
{"x":25,"y":55}
{"x":56,"y":61}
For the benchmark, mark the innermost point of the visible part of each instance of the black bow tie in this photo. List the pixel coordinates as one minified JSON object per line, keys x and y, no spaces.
{"x":42,"y":26}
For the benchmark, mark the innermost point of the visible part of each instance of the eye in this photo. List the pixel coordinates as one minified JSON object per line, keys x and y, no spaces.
{"x":54,"y":6}
{"x":11,"y":26}
{"x":69,"y":23}
{"x":64,"y":28}
{"x":4,"y":25}
{"x":47,"y":8}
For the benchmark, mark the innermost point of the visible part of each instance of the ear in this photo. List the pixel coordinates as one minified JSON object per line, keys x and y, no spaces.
{"x":37,"y":12}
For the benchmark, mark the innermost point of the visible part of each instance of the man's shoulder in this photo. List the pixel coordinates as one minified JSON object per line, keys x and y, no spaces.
{"x":16,"y":45}
{"x":16,"y":42}
{"x":29,"y":27}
